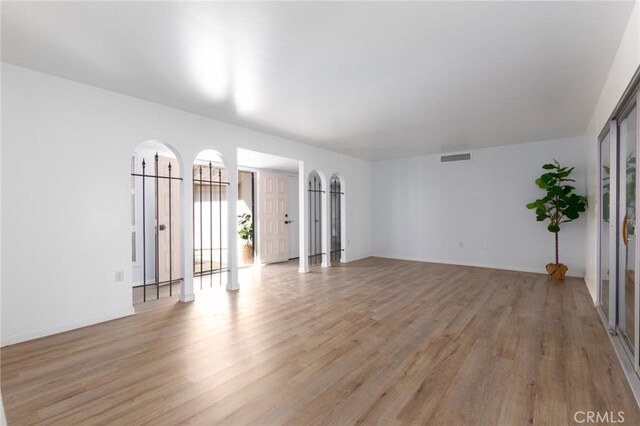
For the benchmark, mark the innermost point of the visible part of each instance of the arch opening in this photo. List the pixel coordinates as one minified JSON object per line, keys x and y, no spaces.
{"x":210,"y":218}
{"x":315,"y":193}
{"x":336,"y":194}
{"x":155,"y":220}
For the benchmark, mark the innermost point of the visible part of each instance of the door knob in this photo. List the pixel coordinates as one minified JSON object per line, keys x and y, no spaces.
{"x":163,"y":227}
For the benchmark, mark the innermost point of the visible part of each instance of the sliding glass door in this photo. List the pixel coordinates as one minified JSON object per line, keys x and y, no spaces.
{"x":626,"y":283}
{"x":618,"y":251}
{"x":606,"y":272}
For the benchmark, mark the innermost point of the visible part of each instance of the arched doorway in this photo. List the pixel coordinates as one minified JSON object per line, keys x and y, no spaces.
{"x":336,"y":195}
{"x":210,"y":229}
{"x":315,"y":193}
{"x":155,"y":220}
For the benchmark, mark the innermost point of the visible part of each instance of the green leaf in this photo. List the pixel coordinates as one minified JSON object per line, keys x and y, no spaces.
{"x":563,"y":173}
{"x":548,"y":167}
{"x":553,"y":228}
{"x":571,"y":214}
{"x":546,"y":180}
{"x":557,"y":190}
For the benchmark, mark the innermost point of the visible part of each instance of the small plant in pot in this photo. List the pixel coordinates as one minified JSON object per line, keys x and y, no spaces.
{"x":560,"y":205}
{"x":246,"y":233}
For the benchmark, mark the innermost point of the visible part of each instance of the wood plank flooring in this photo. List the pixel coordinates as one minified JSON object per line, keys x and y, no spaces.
{"x":376,"y":341}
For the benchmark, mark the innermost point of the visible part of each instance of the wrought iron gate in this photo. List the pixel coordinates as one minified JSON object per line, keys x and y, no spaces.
{"x":336,"y":219}
{"x":315,"y":220}
{"x":156,"y":177}
{"x":199,"y":198}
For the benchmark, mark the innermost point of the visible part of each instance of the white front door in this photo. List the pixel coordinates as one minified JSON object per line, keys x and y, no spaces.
{"x":273,"y":230}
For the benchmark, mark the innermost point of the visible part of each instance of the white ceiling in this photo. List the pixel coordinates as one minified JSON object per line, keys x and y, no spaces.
{"x":370,"y":79}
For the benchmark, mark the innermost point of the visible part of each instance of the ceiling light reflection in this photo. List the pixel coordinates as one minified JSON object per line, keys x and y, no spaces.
{"x":210,"y":68}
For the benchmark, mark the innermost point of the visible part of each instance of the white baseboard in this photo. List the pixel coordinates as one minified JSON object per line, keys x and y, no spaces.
{"x":18,"y":338}
{"x":353,"y":259}
{"x":478,"y":265}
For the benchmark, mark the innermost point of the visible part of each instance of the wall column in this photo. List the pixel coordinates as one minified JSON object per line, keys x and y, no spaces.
{"x":343,"y":221}
{"x":303,"y":229}
{"x":186,"y":231}
{"x":232,"y":220}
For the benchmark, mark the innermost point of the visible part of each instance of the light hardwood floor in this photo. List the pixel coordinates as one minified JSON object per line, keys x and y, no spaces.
{"x":376,"y":341}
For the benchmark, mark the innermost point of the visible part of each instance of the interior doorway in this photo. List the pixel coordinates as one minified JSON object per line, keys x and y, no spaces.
{"x":274,"y":217}
{"x":210,"y":235}
{"x":275,"y":205}
{"x":315,"y":193}
{"x":246,"y":217}
{"x":336,"y":195}
{"x":155,"y":220}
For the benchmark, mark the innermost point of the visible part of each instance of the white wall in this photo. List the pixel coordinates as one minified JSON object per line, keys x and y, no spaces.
{"x":66,"y":150}
{"x":473,"y":212}
{"x":293,"y":195}
{"x":625,"y":64}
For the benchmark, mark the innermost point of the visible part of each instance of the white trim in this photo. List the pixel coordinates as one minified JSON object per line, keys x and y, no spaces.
{"x":599,"y":204}
{"x":366,"y":256}
{"x":477,"y":265}
{"x":18,"y":338}
{"x":623,"y":358}
{"x":636,"y":264}
{"x":273,"y":171}
{"x":186,"y":298}
{"x":628,"y":369}
{"x":613,"y":224}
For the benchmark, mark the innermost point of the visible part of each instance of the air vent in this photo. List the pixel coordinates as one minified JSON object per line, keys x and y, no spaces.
{"x":455,"y":157}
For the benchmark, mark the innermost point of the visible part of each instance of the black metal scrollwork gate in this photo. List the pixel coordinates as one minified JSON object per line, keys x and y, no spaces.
{"x":157,"y":179}
{"x":315,"y":219}
{"x":208,"y":190}
{"x":336,"y":219}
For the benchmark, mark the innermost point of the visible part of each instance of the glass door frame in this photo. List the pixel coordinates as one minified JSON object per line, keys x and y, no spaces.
{"x":614,"y":234}
{"x":631,"y":347}
{"x":612,"y":241}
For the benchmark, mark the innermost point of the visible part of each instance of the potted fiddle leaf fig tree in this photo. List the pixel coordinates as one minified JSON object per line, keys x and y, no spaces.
{"x":559,"y":205}
{"x":246,"y":233}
